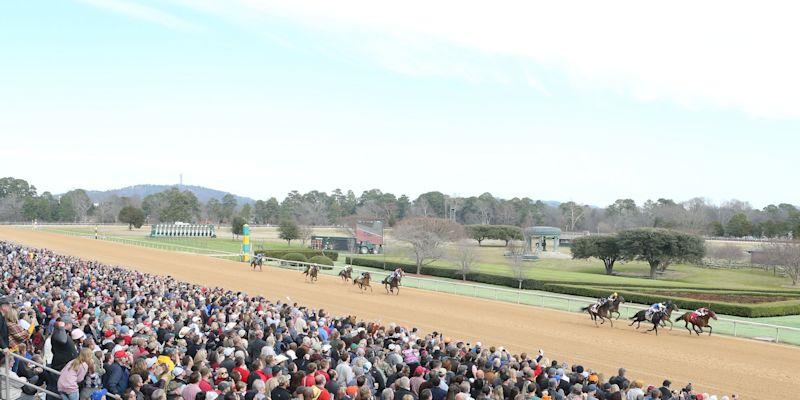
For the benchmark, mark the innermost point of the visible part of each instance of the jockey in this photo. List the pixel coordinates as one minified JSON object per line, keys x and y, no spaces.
{"x":610,"y":298}
{"x":397,"y":273}
{"x":364,"y":274}
{"x":700,"y":312}
{"x":657,"y":307}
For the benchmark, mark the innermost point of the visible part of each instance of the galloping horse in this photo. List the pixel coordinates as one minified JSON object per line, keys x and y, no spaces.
{"x":391,"y":283}
{"x":697,"y":320}
{"x":656,"y":319}
{"x":363,"y":282}
{"x":311,"y":271}
{"x":641,"y":316}
{"x":603,"y":311}
{"x":257,"y":261}
{"x":346,"y":273}
{"x":615,"y":309}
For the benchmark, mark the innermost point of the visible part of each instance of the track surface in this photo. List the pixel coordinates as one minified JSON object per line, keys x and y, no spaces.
{"x":715,"y":364}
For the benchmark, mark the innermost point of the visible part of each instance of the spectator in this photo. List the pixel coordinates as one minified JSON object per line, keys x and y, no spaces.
{"x":73,"y":374}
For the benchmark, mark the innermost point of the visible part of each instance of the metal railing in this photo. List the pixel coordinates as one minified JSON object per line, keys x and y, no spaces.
{"x":8,"y":379}
{"x":723,"y":325}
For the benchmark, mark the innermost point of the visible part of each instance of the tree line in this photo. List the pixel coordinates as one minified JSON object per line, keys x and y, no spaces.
{"x":19,"y":201}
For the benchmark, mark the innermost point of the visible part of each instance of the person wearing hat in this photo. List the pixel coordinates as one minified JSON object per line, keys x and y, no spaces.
{"x":116,"y":376}
{"x":174,"y":388}
{"x":666,"y":393}
{"x":229,"y":362}
{"x":591,"y":392}
{"x":64,"y":349}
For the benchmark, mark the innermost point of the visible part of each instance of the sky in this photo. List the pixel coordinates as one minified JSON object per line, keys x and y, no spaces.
{"x":581,"y":101}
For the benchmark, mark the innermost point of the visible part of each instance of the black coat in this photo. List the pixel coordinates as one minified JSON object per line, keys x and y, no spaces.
{"x":64,"y":349}
{"x":280,"y":393}
{"x":3,"y":333}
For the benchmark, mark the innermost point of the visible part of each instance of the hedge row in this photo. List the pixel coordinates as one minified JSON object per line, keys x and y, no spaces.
{"x":791,"y":307}
{"x":322,"y":260}
{"x":308,"y":253}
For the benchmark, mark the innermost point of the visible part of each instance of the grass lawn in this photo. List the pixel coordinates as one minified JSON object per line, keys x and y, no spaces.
{"x":630,"y":273}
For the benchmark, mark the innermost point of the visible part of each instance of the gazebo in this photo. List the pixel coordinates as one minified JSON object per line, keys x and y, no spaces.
{"x":540,"y":234}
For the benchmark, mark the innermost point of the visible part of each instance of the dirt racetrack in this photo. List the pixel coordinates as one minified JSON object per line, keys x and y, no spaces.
{"x":716,"y":364}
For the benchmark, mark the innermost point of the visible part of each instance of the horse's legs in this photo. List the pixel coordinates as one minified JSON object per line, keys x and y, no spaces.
{"x":398,"y":291}
{"x":686,"y":325}
{"x":710,"y":329}
{"x":698,"y":332}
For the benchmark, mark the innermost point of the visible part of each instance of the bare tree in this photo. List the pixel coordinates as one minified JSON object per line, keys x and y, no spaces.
{"x":486,"y":211}
{"x":427,"y":237}
{"x":519,"y":267}
{"x":465,"y":255}
{"x":786,"y":257}
{"x":313,"y":213}
{"x":573,"y":213}
{"x":729,"y":253}
{"x":304,"y":233}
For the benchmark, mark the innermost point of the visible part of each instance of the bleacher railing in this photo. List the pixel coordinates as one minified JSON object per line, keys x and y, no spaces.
{"x":8,"y":379}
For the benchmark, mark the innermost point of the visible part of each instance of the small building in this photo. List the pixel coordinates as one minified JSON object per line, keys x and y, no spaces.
{"x":536,"y":238}
{"x":337,"y":243}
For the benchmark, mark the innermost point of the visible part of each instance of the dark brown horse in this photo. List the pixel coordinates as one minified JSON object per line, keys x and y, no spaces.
{"x":311,"y":272}
{"x":641,"y":316}
{"x":363,"y":282}
{"x":698,"y":321}
{"x":603,"y":311}
{"x":346,"y":274}
{"x":657,"y":319}
{"x":257,"y":261}
{"x":391,"y":283}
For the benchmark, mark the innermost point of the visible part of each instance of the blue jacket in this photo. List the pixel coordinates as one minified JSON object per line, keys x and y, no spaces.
{"x":116,"y":378}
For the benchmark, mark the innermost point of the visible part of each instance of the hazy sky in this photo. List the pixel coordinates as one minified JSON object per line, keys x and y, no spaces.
{"x":583,"y":101}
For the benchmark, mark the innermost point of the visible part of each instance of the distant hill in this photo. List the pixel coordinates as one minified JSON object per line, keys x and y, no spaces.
{"x":203,"y":194}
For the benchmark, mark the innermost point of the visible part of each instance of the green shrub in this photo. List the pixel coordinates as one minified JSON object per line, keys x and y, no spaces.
{"x":308,"y":253}
{"x":294,"y":257}
{"x":321,"y":260}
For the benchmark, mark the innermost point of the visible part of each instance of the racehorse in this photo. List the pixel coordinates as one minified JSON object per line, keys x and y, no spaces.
{"x":257,"y":261}
{"x":311,"y":271}
{"x":656,"y":319}
{"x":641,"y":316}
{"x":603,"y":311}
{"x":697,"y":321}
{"x":615,"y":309}
{"x":346,"y":274}
{"x":363,"y":282}
{"x":391,"y":283}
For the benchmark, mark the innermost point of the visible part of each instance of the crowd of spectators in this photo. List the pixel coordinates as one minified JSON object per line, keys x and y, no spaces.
{"x":115,"y":333}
